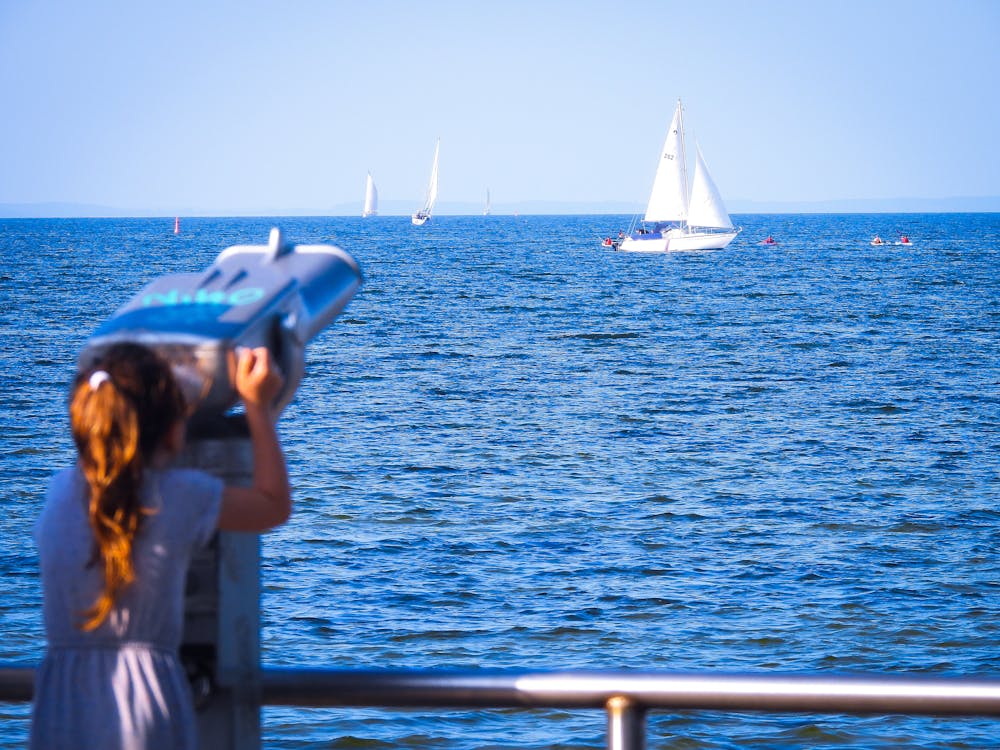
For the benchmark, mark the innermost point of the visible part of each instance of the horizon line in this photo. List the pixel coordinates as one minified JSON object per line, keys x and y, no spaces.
{"x":953,"y":204}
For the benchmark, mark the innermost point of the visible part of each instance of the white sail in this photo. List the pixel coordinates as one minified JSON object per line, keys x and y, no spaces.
{"x":371,"y":198}
{"x":432,"y":188}
{"x":706,"y":208}
{"x":668,"y":200}
{"x":424,"y":213}
{"x":486,"y":211}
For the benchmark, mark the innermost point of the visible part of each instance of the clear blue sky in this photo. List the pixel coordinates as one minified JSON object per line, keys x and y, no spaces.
{"x":240,"y":105}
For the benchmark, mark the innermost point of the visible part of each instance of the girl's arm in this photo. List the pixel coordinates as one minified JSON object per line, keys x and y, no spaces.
{"x":268,"y":502}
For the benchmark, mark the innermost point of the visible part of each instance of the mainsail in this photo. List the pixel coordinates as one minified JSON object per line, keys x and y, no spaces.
{"x":424,"y":214}
{"x":432,"y":188}
{"x":668,"y":200}
{"x":371,"y":198}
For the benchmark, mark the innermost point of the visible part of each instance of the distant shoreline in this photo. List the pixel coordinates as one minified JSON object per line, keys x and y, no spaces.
{"x":968,"y":204}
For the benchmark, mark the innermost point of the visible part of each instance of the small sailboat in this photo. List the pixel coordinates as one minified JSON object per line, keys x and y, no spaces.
{"x":424,"y":214}
{"x":177,"y":225}
{"x":488,"y":208}
{"x":371,"y":198}
{"x":679,"y":218}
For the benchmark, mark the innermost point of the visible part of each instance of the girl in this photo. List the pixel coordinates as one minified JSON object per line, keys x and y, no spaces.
{"x":115,"y":539}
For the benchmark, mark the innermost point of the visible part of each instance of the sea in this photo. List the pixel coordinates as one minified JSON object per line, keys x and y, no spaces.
{"x":517,"y":449}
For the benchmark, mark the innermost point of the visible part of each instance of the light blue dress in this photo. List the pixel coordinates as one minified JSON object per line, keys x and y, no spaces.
{"x":121,"y":685}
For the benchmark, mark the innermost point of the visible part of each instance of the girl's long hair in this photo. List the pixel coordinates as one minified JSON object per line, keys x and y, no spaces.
{"x":121,"y":410}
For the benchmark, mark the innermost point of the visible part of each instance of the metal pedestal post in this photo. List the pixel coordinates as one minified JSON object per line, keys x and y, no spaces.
{"x":221,"y":644}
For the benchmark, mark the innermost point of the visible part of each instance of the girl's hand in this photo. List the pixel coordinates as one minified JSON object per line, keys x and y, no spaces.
{"x":268,"y":502}
{"x":258,"y":379}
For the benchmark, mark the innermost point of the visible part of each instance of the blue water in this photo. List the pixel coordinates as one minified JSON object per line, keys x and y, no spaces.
{"x":518,"y":449}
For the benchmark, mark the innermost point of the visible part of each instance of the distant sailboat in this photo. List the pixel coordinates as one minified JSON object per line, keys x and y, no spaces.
{"x":177,"y":225}
{"x":679,"y":219}
{"x":371,"y":198}
{"x":487,"y":209}
{"x":424,"y":214}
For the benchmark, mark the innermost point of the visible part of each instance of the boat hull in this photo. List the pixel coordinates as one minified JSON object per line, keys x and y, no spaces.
{"x":419,"y":220}
{"x":677,"y":242}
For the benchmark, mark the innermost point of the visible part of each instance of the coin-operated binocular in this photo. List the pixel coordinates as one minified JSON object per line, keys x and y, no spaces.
{"x":275,"y":295}
{"x":279,"y":296}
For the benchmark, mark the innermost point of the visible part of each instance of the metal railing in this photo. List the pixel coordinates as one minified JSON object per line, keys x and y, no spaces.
{"x":625,"y":696}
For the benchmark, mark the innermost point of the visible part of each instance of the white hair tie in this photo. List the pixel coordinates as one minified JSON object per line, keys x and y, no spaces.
{"x":98,"y":377}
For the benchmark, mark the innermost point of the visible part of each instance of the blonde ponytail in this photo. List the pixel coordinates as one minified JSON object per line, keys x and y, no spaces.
{"x":120,"y":414}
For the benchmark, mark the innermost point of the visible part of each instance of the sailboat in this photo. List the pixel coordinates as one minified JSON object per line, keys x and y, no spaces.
{"x":678,"y":218}
{"x":487,"y":209}
{"x":424,"y":214}
{"x":371,"y":198}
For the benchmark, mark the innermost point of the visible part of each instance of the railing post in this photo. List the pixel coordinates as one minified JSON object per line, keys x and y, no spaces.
{"x":626,"y":724}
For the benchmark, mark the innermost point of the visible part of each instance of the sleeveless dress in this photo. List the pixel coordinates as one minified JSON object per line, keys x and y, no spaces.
{"x":121,"y":685}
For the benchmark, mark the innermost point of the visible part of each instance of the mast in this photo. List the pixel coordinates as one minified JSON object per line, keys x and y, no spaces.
{"x":685,"y":197}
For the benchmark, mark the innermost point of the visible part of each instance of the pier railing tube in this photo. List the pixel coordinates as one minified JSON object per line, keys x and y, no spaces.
{"x":626,"y":697}
{"x":276,"y":295}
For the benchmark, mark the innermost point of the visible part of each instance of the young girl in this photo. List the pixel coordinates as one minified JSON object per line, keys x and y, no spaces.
{"x":115,"y":539}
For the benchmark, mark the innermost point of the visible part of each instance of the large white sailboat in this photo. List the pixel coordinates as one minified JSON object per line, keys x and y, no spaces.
{"x":678,"y":218}
{"x":371,"y":198}
{"x":424,"y":214}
